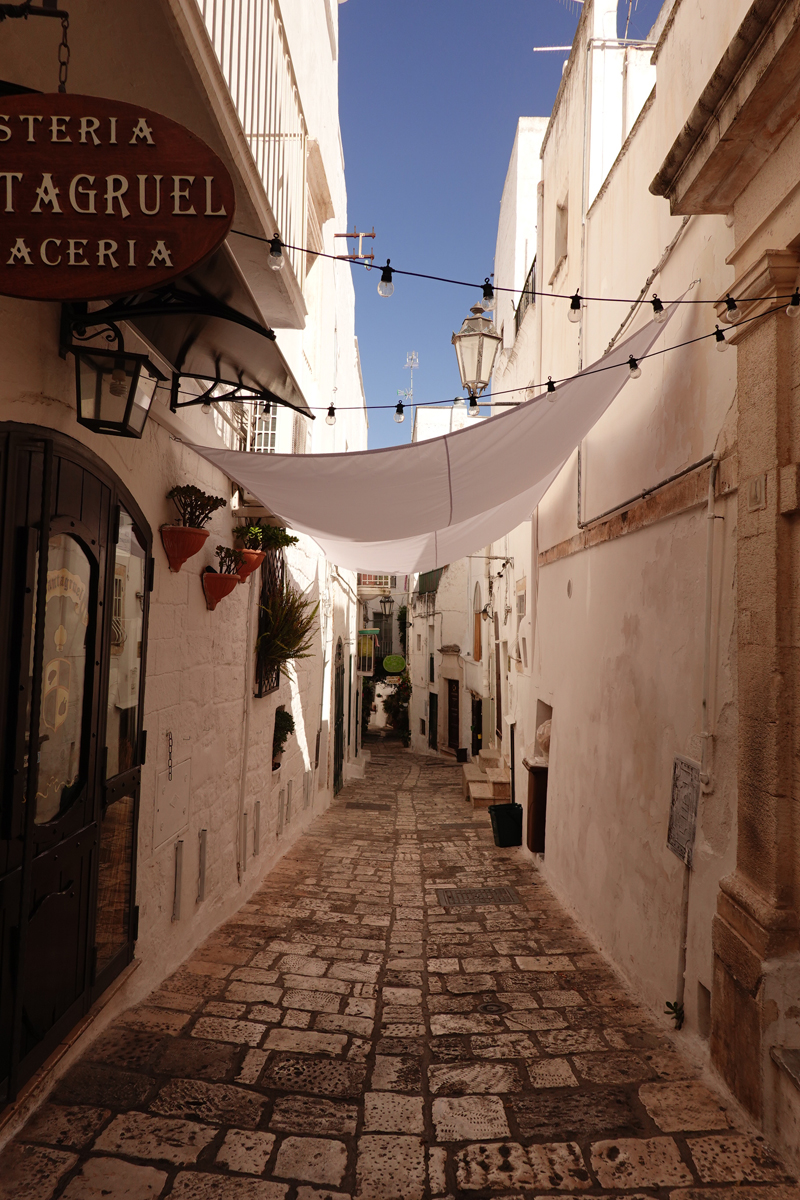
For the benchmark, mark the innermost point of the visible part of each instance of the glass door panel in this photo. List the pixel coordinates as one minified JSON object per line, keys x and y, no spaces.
{"x":64,"y":664}
{"x":125,"y":674}
{"x":114,"y":880}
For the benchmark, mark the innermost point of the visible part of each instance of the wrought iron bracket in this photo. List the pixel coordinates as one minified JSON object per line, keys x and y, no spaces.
{"x":27,"y":9}
{"x":237,"y":390}
{"x":76,"y":323}
{"x":171,"y":301}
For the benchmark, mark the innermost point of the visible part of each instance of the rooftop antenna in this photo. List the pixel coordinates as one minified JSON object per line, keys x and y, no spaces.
{"x":360,"y":255}
{"x":411,"y":365}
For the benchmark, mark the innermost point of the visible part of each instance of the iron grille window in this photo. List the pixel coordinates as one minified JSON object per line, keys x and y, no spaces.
{"x":272,"y":579}
{"x":386,"y":581}
{"x":263,"y":430}
{"x":527,"y":298}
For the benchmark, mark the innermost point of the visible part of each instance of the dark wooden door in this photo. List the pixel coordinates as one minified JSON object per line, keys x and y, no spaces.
{"x":338,"y":719}
{"x":433,"y":720}
{"x":56,"y":606}
{"x":453,"y":725}
{"x":477,"y":726}
{"x":537,"y":808}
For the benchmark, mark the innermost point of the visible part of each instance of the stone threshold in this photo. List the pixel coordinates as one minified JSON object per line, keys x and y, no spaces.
{"x":33,"y":1093}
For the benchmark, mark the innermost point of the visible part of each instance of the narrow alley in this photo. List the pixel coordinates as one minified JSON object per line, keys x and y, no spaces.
{"x":366,"y":1027}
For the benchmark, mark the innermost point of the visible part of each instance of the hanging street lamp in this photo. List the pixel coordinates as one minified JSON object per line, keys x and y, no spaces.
{"x":476,"y":343}
{"x":387,"y":605}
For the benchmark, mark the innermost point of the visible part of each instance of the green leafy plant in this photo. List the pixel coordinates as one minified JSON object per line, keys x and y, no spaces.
{"x":229,"y":560}
{"x":367,"y":700}
{"x":674,"y":1009}
{"x":275,"y":537}
{"x":250,"y":536}
{"x":284,"y":727}
{"x":402,"y":623}
{"x":195,"y":507}
{"x":396,"y":707}
{"x":287,"y":623}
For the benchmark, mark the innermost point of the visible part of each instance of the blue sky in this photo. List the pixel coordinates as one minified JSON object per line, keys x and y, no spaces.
{"x":430,"y":93}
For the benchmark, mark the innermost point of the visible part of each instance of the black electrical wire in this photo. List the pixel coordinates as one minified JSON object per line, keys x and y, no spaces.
{"x":466,"y":283}
{"x":525,"y":387}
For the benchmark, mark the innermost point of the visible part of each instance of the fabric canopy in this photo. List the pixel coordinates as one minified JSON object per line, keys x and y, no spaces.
{"x":420,"y":506}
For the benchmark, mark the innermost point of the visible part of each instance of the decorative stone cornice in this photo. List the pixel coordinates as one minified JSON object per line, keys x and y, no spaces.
{"x":775,"y":273}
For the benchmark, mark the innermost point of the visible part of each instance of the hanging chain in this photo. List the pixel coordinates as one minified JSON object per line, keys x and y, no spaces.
{"x":63,"y":56}
{"x":169,"y":755}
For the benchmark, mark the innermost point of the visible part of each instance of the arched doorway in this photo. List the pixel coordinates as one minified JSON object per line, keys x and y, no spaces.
{"x":338,"y":718}
{"x":75,"y":574}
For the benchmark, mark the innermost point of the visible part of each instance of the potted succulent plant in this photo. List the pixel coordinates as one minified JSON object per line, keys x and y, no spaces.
{"x":284,"y":726}
{"x":219,"y":584}
{"x":250,"y":537}
{"x":185,"y":539}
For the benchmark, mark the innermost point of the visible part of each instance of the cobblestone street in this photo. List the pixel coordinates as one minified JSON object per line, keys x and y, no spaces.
{"x":347,"y":1035}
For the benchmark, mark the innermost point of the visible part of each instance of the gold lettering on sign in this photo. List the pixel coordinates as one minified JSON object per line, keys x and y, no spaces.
{"x":58,"y":129}
{"x":88,"y":126}
{"x":112,"y":121}
{"x":105,"y":250}
{"x":179,"y":192}
{"x":47,"y":193}
{"x":75,"y":252}
{"x":132,"y":252}
{"x":86,"y":193}
{"x":161,"y":256}
{"x":9,"y":177}
{"x":5,"y":132}
{"x":116,"y":187}
{"x":49,"y":262}
{"x":20,"y":253}
{"x":30,"y":119}
{"x":210,"y":212}
{"x":142,"y":130}
{"x":149,"y":212}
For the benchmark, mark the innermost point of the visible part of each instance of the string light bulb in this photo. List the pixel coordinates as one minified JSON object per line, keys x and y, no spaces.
{"x":659,"y":312}
{"x":551,"y":387}
{"x":331,"y":417}
{"x":399,"y":415}
{"x":276,"y":259}
{"x":634,"y":367}
{"x":386,"y":287}
{"x":206,"y":408}
{"x":722,"y":345}
{"x":574,"y":313}
{"x":474,"y":408}
{"x":488,"y":295}
{"x":793,"y":309}
{"x":731,"y":313}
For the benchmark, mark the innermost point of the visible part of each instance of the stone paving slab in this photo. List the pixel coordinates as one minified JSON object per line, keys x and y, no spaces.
{"x":344,"y":1037}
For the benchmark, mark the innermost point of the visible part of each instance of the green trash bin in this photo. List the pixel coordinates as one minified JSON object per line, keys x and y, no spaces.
{"x":506,"y":824}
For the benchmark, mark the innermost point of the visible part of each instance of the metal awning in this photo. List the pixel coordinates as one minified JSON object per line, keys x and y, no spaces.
{"x":208,"y":324}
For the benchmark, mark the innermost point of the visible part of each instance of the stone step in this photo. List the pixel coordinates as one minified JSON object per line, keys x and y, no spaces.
{"x":481,"y":794}
{"x":470,"y":773}
{"x":488,"y":758}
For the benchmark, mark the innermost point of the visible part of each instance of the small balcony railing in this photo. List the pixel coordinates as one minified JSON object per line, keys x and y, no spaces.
{"x":250,"y":43}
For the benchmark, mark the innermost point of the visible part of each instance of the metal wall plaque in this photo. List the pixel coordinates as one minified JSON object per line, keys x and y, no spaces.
{"x":683,"y":807}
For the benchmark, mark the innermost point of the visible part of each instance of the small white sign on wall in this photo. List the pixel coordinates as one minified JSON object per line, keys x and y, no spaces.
{"x":172,"y":802}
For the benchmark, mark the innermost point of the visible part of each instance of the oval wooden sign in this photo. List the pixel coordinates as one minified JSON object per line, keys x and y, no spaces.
{"x":99,"y":198}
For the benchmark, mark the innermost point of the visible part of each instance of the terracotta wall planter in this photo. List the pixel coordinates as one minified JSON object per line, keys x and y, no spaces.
{"x":181,"y":542}
{"x":252,"y":561}
{"x":217,"y":586}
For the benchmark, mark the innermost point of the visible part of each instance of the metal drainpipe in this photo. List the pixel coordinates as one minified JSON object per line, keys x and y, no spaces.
{"x":248,"y":705}
{"x":705,"y":734}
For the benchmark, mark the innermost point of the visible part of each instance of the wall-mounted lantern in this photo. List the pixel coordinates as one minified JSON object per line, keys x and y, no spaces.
{"x":114,"y":390}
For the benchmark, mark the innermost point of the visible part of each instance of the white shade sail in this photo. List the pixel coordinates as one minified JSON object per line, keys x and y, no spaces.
{"x":444,"y":498}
